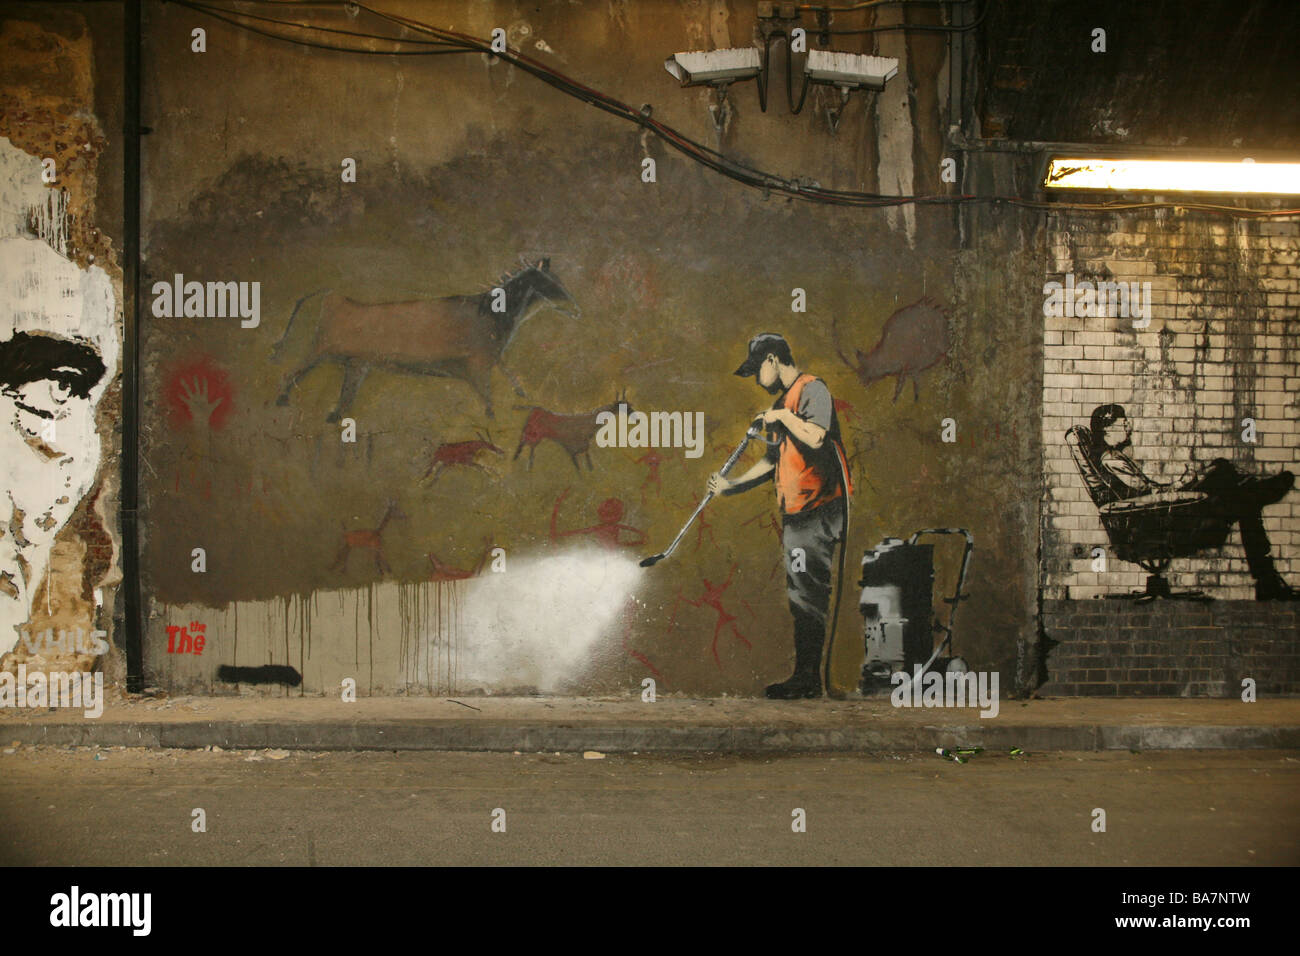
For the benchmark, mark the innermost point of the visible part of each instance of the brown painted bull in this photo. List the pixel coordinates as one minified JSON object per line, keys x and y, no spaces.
{"x":459,"y":336}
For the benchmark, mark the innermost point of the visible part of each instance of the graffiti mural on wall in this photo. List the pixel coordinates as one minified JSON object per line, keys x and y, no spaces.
{"x":367,"y":539}
{"x":58,"y":355}
{"x":610,"y":529}
{"x":186,"y":640}
{"x":1151,"y":522}
{"x":460,"y":336}
{"x":442,"y":571}
{"x":805,"y":460}
{"x":711,"y":597}
{"x":199,"y":399}
{"x":461,"y":454}
{"x":915,"y":338}
{"x":573,"y":433}
{"x":199,"y":393}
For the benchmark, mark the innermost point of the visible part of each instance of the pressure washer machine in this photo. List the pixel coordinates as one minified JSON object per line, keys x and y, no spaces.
{"x":899,"y":624}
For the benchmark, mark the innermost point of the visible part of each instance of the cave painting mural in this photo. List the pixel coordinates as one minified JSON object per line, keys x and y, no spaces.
{"x":198,"y":394}
{"x":1151,"y":522}
{"x":652,"y":460}
{"x":573,"y":433}
{"x":461,"y":336}
{"x":367,"y":539}
{"x":58,"y":356}
{"x":915,"y":338}
{"x":608,"y":532}
{"x":711,"y":597}
{"x":199,"y":400}
{"x":461,"y":454}
{"x":442,"y":571}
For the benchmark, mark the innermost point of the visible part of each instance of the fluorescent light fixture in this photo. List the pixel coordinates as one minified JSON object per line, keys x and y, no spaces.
{"x":1171,"y":175}
{"x":714,"y":66}
{"x":852,"y":71}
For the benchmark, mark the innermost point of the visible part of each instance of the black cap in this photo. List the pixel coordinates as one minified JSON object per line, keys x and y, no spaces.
{"x":759,"y":348}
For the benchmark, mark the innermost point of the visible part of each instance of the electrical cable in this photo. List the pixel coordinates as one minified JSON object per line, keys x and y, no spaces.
{"x":867,"y":4}
{"x":710,"y":158}
{"x":922,"y":27}
{"x":309,"y":43}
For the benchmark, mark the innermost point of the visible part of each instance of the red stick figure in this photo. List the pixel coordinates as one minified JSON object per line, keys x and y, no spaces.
{"x":770,"y":523}
{"x":652,"y":460}
{"x":702,"y":525}
{"x":712,"y":597}
{"x":608,"y":532}
{"x":629,"y":609}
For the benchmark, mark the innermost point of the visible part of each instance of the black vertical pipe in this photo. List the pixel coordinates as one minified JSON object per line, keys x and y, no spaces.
{"x":131,"y":597}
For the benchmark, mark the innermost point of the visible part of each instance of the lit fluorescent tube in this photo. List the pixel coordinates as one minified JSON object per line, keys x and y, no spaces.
{"x":1171,"y":175}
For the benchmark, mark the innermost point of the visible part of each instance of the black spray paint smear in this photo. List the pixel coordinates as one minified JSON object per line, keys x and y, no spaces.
{"x":266,"y":674}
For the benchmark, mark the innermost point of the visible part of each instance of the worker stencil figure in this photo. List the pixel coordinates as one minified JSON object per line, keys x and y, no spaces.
{"x":806,"y":460}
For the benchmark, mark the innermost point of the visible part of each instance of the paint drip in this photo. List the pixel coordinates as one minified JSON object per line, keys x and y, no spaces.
{"x":538,"y":624}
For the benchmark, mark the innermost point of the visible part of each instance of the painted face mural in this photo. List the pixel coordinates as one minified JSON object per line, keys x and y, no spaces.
{"x":58,"y":354}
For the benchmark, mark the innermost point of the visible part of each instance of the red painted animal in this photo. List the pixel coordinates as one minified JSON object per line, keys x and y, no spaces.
{"x":445,"y":572}
{"x":914,"y":339}
{"x":367,"y":539}
{"x":573,"y":433}
{"x":461,"y":453}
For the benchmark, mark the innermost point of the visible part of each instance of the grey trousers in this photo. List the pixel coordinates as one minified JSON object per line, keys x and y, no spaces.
{"x":816,"y":533}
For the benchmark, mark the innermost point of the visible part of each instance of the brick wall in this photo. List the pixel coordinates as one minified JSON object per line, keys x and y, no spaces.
{"x":1171,"y":648}
{"x":1223,"y":345}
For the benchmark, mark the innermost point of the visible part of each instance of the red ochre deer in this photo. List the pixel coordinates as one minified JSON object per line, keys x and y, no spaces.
{"x":459,"y":336}
{"x":368,"y":539}
{"x":914,"y":339}
{"x":461,"y":454}
{"x":573,"y":433}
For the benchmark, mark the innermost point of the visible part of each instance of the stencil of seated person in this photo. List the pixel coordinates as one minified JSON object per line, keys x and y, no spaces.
{"x":1241,"y":495}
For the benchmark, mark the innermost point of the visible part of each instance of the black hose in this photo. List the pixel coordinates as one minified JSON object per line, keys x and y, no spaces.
{"x":839,"y":579}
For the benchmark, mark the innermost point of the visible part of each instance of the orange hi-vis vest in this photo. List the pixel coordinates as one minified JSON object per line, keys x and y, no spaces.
{"x":803,"y":483}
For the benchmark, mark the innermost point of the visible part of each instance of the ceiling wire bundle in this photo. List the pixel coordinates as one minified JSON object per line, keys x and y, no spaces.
{"x":437,"y":41}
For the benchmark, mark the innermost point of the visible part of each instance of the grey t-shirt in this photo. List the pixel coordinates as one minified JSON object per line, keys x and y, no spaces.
{"x":815,"y":406}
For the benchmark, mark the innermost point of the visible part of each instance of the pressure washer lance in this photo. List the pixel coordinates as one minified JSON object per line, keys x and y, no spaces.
{"x":753,"y":434}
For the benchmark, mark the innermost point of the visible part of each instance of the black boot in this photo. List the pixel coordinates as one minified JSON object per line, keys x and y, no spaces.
{"x":806,"y":681}
{"x":1269,"y":585}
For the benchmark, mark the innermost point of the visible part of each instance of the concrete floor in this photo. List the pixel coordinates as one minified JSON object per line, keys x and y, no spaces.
{"x":64,"y":806}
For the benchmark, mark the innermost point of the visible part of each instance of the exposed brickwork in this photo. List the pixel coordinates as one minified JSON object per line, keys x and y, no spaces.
{"x":1118,"y":648}
{"x":1223,"y":345}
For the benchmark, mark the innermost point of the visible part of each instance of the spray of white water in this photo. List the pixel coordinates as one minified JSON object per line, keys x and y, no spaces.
{"x":538,"y":624}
